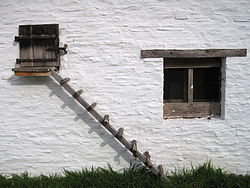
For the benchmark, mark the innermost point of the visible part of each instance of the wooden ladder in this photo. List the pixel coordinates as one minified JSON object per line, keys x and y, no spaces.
{"x":130,"y":145}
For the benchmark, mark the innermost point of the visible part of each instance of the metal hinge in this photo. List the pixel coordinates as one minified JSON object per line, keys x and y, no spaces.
{"x":58,"y":48}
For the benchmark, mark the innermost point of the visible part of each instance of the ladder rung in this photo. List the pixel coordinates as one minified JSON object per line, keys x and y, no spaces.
{"x":120,"y":132}
{"x":147,"y":157}
{"x":161,"y":171}
{"x":134,"y":147}
{"x":78,"y":93}
{"x":65,"y":80}
{"x":91,"y":107}
{"x":105,"y":119}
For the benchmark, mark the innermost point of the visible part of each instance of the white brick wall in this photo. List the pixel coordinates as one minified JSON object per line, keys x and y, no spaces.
{"x":43,"y":130}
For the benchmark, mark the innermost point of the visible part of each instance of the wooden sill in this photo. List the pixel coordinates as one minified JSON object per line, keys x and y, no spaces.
{"x":191,"y":110}
{"x":32,"y":73}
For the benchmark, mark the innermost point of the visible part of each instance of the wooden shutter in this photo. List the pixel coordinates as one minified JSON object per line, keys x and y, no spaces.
{"x":39,"y":48}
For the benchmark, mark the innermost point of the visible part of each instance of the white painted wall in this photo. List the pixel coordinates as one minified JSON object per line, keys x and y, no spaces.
{"x":43,"y":130}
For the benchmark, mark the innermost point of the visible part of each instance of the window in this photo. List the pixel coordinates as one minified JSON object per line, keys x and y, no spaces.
{"x":39,"y":49}
{"x":192,"y":87}
{"x":193,"y":80}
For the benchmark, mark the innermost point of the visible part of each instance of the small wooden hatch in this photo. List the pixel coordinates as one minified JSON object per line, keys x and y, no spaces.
{"x":39,"y":50}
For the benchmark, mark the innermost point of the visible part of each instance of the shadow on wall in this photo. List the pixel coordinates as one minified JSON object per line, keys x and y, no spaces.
{"x":94,"y":126}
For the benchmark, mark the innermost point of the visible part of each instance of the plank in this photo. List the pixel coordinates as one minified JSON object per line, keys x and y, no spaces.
{"x":32,"y":74}
{"x":191,"y":110}
{"x":32,"y":69}
{"x":174,"y":63}
{"x":191,"y":53}
{"x":26,"y":49}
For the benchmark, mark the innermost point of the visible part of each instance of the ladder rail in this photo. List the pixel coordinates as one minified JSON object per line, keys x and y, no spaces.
{"x":108,"y":126}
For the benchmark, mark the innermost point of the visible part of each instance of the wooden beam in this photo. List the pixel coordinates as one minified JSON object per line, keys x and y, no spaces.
{"x":32,"y":74}
{"x":190,"y":85}
{"x":189,"y":63}
{"x":191,"y":110}
{"x":195,"y":53}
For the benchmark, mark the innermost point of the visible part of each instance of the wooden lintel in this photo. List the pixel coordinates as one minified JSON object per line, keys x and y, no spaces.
{"x":193,"y":53}
{"x":32,"y":73}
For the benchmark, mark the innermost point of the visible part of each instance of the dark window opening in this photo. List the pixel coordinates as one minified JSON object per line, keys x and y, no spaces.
{"x":175,"y":87}
{"x":206,"y":84}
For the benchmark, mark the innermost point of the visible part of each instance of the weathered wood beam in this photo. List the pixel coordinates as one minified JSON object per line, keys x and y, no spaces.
{"x":32,"y":74}
{"x":195,"y":53}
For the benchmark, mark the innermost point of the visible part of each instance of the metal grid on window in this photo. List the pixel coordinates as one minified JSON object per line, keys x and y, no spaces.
{"x":175,"y":85}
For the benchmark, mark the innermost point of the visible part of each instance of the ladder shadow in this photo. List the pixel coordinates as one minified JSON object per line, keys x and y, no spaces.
{"x":94,"y":126}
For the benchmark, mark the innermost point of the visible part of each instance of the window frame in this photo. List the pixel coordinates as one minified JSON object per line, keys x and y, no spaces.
{"x":199,"y":53}
{"x":191,"y":109}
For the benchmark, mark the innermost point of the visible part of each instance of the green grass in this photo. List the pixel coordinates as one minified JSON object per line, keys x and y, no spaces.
{"x":205,"y":176}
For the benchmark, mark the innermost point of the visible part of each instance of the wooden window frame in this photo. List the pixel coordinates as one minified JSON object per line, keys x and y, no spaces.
{"x":192,"y":109}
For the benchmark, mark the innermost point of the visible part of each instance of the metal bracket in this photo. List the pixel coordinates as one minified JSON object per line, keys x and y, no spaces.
{"x":58,"y":48}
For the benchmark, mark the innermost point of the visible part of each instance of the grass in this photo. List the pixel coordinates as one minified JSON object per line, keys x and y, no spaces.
{"x":205,"y":176}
